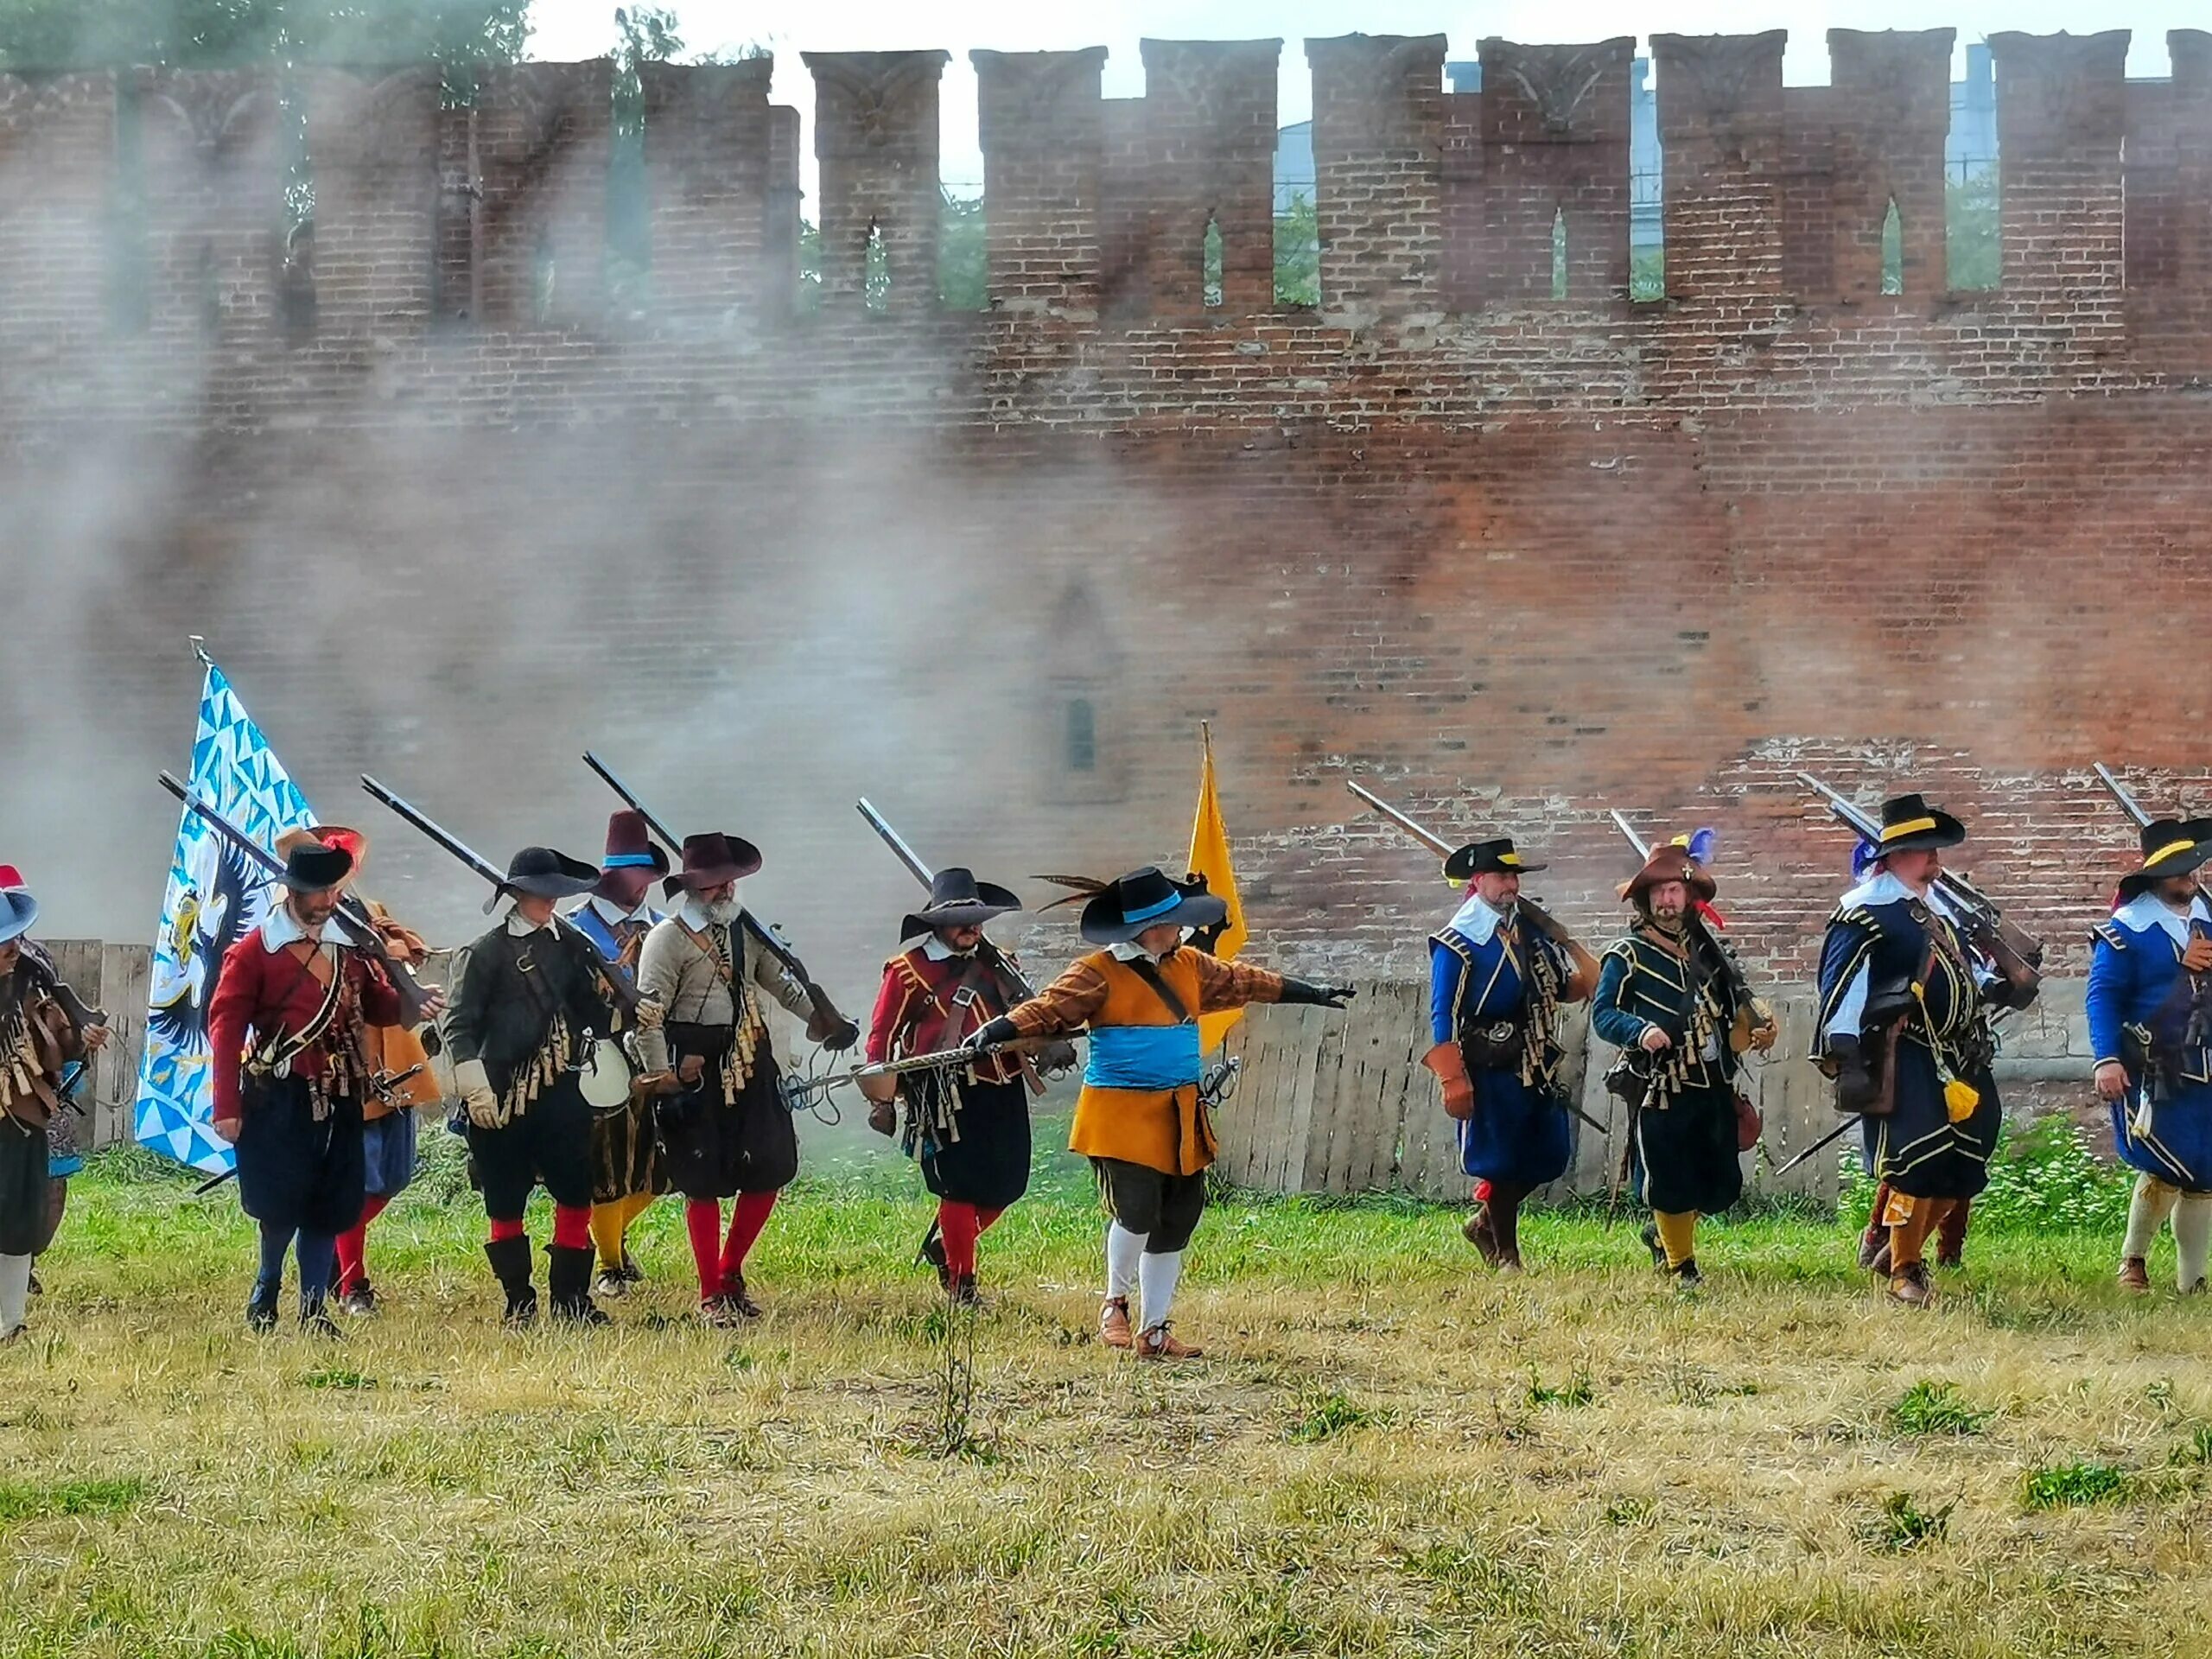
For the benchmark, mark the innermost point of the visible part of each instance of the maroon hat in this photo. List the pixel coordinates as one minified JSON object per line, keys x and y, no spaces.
{"x":710,"y":860}
{"x":632,"y":860}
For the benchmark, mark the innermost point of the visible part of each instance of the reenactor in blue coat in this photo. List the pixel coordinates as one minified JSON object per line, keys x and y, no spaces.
{"x":1904,"y":1030}
{"x":2150,"y":1008}
{"x":1500,"y":970}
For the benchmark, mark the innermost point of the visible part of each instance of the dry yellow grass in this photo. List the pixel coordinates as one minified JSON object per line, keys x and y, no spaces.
{"x":1388,"y":1452}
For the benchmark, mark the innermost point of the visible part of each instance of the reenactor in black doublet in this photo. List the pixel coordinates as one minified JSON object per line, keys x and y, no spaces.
{"x":531,"y":1010}
{"x":1666,"y":998}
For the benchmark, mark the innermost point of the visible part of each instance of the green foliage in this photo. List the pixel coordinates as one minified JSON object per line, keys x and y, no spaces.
{"x":1647,"y":274}
{"x":1929,"y":1408}
{"x":208,"y":34}
{"x":1973,"y":247}
{"x":1901,"y":1524}
{"x":2044,"y":1177}
{"x":27,"y":1501}
{"x":963,"y":255}
{"x":2199,"y":1451}
{"x":1323,"y":1416}
{"x":2066,"y":1484}
{"x":1298,"y":253}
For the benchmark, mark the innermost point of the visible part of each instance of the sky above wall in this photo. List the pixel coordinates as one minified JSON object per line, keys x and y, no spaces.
{"x":583,"y":28}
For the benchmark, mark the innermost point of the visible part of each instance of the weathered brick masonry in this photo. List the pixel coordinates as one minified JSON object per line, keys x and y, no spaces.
{"x":1510,"y":558}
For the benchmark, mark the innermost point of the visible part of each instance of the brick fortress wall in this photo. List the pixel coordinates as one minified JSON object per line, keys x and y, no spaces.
{"x":1507,"y":557}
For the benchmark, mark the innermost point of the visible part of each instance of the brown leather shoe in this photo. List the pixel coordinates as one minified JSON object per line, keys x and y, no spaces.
{"x":1874,"y":1246}
{"x":1477,"y":1233}
{"x":1114,"y":1323}
{"x":1909,"y":1285}
{"x":2135,"y":1276}
{"x":1160,"y":1343}
{"x":1879,"y":1267}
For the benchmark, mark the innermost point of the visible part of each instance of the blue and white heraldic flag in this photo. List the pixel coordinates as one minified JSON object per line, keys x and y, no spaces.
{"x":215,"y":897}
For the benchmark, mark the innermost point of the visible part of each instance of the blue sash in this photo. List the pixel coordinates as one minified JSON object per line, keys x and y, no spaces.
{"x":1142,"y":1057}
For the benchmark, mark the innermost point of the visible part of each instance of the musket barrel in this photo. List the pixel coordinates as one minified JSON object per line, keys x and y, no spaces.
{"x":661,"y":832}
{"x":896,"y":843}
{"x":1428,"y":838}
{"x":2128,"y":803}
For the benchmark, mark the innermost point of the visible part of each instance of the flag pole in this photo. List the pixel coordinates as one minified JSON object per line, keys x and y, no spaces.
{"x":200,"y":649}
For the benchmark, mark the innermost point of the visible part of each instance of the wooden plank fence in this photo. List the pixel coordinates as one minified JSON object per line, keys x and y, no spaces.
{"x":1329,"y":1101}
{"x":1337,"y":1101}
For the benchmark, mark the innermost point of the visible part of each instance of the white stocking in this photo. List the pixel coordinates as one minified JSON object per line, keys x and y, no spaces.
{"x":15,"y":1293}
{"x":2147,"y":1213}
{"x":1122,"y":1249}
{"x":1156,"y":1277}
{"x":2192,"y":1237}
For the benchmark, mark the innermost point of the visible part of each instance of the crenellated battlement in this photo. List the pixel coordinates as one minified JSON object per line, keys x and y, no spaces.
{"x":151,"y":204}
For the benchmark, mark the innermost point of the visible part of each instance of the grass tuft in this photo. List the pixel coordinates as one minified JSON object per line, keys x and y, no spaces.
{"x":2068,"y":1486}
{"x":1931,"y":1407}
{"x":1577,"y":1391}
{"x":1901,"y":1524}
{"x":29,"y":1501}
{"x":1324,"y":1416}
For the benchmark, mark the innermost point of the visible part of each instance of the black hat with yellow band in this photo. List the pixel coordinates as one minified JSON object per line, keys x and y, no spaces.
{"x":2170,"y":847}
{"x":1910,"y":825}
{"x":1486,"y":858}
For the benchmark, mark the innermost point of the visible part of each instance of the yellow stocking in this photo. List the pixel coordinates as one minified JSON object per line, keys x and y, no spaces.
{"x":1678,"y":1233}
{"x":609,"y":1222}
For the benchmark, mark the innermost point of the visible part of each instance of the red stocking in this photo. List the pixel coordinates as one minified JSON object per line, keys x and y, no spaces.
{"x":702,"y":1219}
{"x":959,"y":1225}
{"x":747,"y":1217}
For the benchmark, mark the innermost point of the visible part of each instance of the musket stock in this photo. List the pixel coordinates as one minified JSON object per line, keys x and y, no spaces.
{"x":2018,"y":955}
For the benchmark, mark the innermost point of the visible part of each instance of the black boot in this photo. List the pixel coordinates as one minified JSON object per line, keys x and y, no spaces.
{"x":510,"y":1259}
{"x":569,"y":1278}
{"x":932,"y":1253}
{"x":261,"y":1307}
{"x":316,"y":1320}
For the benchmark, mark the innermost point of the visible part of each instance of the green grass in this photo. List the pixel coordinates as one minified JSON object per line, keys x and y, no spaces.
{"x":1388,"y":1449}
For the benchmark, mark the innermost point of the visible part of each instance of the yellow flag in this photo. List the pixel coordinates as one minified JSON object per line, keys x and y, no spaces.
{"x":1210,"y":858}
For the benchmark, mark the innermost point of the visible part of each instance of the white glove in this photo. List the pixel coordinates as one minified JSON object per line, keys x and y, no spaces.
{"x":476,"y":1096}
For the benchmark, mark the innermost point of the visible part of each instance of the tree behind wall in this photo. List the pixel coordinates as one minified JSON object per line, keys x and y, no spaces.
{"x":219,"y":34}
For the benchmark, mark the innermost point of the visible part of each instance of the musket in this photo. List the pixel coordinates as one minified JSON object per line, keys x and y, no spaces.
{"x":1827,"y":1140}
{"x":1541,"y":918}
{"x":353,"y":914}
{"x":624,"y":995}
{"x":1443,"y":848}
{"x":922,"y":873}
{"x":769,"y":936}
{"x":1752,"y":1009}
{"x":2200,"y":1016}
{"x":2018,"y":957}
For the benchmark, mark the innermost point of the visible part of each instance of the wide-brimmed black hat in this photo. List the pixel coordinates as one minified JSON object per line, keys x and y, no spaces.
{"x":311,"y":866}
{"x":1910,"y":825}
{"x":633,"y":859}
{"x":711,"y":859}
{"x":2170,"y":847}
{"x":1142,"y":899}
{"x":957,"y":900}
{"x":545,"y":874}
{"x":1486,"y":857}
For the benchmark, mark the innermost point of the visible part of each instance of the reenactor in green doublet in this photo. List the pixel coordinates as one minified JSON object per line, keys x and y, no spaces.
{"x":1670,"y":999}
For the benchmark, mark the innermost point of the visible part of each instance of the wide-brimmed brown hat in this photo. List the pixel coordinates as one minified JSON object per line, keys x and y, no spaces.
{"x":710,"y":860}
{"x":1671,"y":863}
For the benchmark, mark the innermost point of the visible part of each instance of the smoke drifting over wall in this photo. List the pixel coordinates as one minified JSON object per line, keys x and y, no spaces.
{"x":1512,"y":559}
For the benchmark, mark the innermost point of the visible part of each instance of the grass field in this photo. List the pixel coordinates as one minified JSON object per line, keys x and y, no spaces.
{"x":1386,"y":1451}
